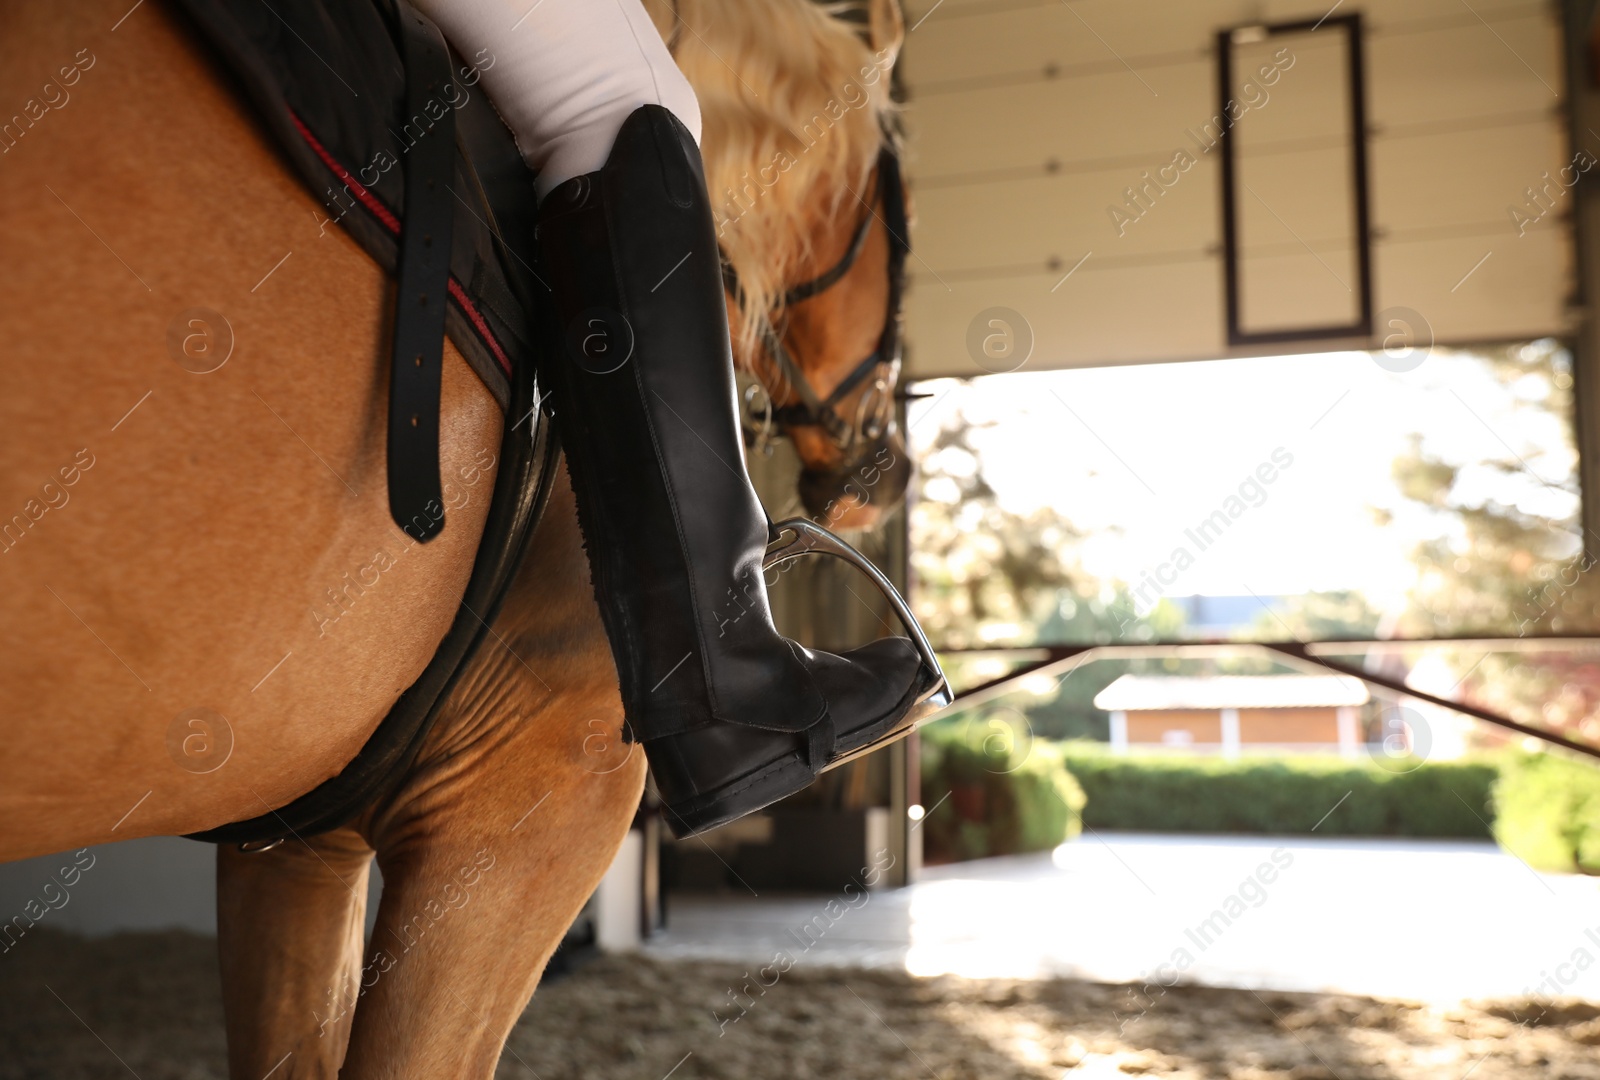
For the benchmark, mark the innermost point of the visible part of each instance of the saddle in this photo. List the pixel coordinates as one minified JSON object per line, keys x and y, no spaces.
{"x":390,"y":130}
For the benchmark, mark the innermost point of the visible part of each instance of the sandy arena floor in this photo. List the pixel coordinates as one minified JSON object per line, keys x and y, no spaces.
{"x":69,"y":1009}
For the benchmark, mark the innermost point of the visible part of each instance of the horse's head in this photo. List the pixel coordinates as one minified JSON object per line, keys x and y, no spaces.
{"x":804,"y":179}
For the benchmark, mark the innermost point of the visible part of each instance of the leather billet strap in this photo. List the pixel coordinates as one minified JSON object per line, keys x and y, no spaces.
{"x":416,"y":500}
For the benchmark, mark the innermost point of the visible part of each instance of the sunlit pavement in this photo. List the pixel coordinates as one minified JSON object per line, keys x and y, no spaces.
{"x":1433,"y":921}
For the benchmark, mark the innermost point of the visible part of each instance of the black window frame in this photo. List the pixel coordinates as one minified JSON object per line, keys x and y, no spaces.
{"x":1351,"y":26}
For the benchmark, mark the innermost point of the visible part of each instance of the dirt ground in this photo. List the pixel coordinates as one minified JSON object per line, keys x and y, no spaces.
{"x":70,"y":1009}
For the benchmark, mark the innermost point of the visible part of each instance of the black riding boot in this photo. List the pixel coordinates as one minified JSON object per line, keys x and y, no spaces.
{"x":733,"y":717}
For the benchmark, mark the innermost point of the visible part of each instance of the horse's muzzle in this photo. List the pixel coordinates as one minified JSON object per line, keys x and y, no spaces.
{"x":855,"y":493}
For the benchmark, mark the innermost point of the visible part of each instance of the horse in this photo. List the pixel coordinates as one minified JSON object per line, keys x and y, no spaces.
{"x":164,"y":532}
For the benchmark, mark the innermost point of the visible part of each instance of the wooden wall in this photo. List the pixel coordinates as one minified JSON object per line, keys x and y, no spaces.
{"x":1028,"y":119}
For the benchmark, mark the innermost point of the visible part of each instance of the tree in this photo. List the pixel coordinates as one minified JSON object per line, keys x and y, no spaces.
{"x":1498,"y":567}
{"x":988,"y":576}
{"x":1320,"y":616}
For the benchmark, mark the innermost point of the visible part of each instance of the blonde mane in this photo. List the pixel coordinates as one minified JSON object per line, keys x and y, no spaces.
{"x":793,"y":103}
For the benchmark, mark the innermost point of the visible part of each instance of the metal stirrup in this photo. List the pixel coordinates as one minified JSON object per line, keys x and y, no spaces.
{"x":806,"y":537}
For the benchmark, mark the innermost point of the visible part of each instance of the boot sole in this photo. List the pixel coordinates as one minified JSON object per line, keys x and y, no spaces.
{"x":790,"y":773}
{"x":927,"y":696}
{"x":755,"y":791}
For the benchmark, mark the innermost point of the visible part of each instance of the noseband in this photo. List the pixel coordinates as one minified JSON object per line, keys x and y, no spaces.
{"x":873,"y":418}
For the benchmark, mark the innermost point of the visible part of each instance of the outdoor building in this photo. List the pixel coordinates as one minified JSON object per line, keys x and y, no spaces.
{"x":1223,"y":617}
{"x":1231,"y":712}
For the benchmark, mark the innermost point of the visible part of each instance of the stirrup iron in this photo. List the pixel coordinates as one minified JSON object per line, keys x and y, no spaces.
{"x":795,"y":537}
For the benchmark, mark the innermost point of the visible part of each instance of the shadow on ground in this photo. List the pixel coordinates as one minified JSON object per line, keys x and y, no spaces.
{"x":148,"y":1005}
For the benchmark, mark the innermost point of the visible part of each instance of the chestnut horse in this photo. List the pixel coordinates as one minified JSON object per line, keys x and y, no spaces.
{"x":165,"y":533}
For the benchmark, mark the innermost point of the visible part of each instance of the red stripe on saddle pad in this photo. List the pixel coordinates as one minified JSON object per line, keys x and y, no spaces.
{"x":478,"y":324}
{"x":368,"y":199}
{"x":375,"y":206}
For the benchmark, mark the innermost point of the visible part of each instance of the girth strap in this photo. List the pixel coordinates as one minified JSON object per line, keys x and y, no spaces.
{"x":416,"y":501}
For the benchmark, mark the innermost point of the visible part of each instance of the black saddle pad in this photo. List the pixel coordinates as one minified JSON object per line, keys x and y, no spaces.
{"x":328,"y":82}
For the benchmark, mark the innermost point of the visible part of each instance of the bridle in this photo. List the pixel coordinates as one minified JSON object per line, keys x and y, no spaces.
{"x":873,"y":418}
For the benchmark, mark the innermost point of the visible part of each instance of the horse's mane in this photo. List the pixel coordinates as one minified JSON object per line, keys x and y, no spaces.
{"x":793,"y":102}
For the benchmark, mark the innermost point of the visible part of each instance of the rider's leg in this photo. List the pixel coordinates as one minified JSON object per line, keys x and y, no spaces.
{"x":732,"y":715}
{"x":565,"y":74}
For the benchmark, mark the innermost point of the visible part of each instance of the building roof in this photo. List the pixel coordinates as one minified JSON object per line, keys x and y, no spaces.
{"x":1136,"y":693}
{"x":1221,"y":615}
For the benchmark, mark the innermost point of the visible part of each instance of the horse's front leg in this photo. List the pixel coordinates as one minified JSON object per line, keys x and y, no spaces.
{"x":289,"y":938}
{"x":487,"y":856}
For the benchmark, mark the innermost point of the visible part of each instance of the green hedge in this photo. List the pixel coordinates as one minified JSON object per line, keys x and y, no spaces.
{"x":1548,"y":812}
{"x":994,"y":800}
{"x":1283,"y":795}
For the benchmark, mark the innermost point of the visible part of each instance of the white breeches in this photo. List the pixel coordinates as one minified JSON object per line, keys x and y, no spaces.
{"x":565,"y":74}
